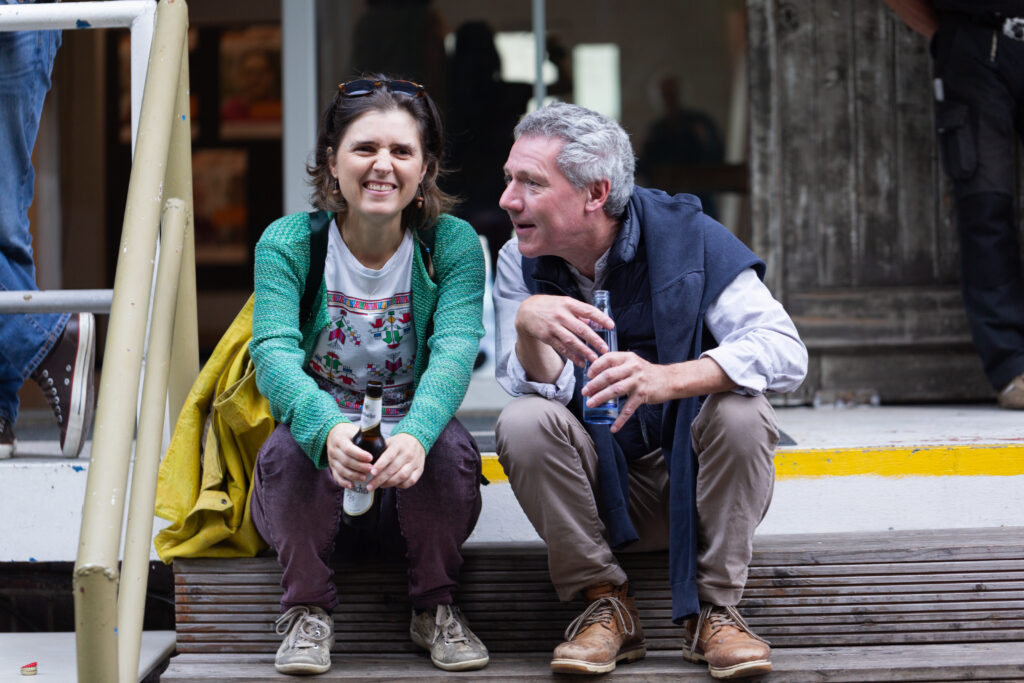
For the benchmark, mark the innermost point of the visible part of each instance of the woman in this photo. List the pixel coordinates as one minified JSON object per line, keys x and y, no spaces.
{"x":391,"y":310}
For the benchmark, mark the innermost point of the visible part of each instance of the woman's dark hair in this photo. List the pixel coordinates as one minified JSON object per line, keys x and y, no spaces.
{"x":339,"y":115}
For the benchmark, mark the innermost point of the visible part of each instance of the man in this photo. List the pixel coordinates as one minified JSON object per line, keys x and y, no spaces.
{"x":977,"y":48}
{"x":55,"y":349}
{"x":678,"y":281}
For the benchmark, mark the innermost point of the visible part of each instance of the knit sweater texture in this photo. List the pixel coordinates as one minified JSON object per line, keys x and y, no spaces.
{"x":447,"y":321}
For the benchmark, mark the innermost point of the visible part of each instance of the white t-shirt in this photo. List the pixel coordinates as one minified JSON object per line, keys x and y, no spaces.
{"x":370,"y":334}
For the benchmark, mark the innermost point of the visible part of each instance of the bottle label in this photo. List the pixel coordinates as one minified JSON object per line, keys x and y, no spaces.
{"x":357,"y":500}
{"x":371,"y":413}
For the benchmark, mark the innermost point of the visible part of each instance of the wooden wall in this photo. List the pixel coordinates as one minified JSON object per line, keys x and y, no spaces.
{"x":849,"y":203}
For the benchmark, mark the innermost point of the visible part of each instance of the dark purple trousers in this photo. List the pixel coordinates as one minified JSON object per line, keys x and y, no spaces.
{"x":297,"y":510}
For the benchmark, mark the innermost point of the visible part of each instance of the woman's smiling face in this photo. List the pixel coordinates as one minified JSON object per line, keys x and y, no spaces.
{"x":379,"y":165}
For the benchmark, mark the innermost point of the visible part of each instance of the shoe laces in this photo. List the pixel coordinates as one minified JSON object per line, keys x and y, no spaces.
{"x":309,"y":628}
{"x":602,"y":611}
{"x":45,"y":382}
{"x":719,"y":617}
{"x":449,"y":626}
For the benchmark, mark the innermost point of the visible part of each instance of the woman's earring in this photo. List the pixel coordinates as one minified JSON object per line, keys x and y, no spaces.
{"x":337,"y":186}
{"x":419,"y":198}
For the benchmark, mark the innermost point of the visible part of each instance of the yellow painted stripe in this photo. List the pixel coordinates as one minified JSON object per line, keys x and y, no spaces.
{"x":493,"y":470}
{"x":929,"y":461}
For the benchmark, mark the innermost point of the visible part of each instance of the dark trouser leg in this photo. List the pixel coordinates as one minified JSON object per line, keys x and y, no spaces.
{"x":438,"y":514}
{"x":992,"y":283}
{"x":297,"y":510}
{"x":983,"y":83}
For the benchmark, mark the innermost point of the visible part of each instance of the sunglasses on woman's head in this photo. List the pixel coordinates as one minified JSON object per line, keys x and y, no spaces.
{"x":364,"y":86}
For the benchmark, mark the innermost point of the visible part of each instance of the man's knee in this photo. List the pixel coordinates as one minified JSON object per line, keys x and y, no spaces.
{"x":526,"y":427}
{"x":747,"y":423}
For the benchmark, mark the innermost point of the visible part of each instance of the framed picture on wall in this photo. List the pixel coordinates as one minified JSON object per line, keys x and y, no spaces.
{"x":221,"y":200}
{"x":236,"y":146}
{"x":250,"y":83}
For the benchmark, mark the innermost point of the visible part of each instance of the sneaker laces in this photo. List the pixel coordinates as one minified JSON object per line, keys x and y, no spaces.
{"x":449,"y":626}
{"x":720,"y":617}
{"x":310,"y":631}
{"x":45,"y":382}
{"x":600,"y":611}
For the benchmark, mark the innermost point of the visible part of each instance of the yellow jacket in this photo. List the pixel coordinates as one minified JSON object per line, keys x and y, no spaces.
{"x":205,"y":492}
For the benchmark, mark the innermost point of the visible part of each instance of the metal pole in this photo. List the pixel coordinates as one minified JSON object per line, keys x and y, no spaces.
{"x":41,"y":17}
{"x":96,"y":575}
{"x":298,"y":61}
{"x":56,"y":301}
{"x":185,"y":345}
{"x":131,"y":601}
{"x":540,"y":90}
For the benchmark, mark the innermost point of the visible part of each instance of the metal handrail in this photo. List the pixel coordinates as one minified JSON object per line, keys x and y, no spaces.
{"x":108,"y":623}
{"x":158,"y":171}
{"x":56,"y":301}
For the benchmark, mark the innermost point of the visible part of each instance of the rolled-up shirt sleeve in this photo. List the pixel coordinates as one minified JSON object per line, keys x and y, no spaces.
{"x":759,"y":347}
{"x":509,"y":292}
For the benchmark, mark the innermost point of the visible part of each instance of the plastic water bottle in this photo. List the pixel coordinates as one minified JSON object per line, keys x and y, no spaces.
{"x":606,"y":413}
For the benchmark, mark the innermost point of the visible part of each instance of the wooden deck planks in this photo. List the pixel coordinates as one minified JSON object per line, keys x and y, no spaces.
{"x":942,"y":662}
{"x":906,"y":588}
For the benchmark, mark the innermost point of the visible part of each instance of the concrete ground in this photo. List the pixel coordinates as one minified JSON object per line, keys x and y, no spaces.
{"x":837,"y":469}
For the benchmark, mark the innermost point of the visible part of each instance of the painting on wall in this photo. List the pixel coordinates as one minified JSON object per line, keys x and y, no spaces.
{"x":250,"y":83}
{"x":220,"y":197}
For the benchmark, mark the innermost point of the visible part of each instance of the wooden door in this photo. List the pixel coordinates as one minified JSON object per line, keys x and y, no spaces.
{"x":849,"y":203}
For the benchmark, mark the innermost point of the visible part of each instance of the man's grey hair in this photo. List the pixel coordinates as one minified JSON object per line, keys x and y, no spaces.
{"x":596,"y":147}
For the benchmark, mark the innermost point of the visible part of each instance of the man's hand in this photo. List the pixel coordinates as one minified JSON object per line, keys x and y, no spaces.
{"x":623,"y":373}
{"x":561,"y":323}
{"x":401,"y":464}
{"x":348,"y":463}
{"x":917,"y":14}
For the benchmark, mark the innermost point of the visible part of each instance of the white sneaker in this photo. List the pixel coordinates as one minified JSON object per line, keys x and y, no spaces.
{"x":308,"y":637}
{"x":445,"y":633}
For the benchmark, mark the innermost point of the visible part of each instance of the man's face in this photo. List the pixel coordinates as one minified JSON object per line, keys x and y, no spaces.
{"x":546,"y":210}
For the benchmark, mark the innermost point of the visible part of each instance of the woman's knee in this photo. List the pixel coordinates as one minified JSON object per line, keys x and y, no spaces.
{"x":454,"y":456}
{"x":293,"y":494}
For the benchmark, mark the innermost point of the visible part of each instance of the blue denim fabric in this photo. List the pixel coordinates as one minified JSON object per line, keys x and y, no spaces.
{"x":26,"y":60}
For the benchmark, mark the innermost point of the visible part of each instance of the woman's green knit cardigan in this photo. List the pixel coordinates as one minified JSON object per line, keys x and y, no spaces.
{"x":445,"y":351}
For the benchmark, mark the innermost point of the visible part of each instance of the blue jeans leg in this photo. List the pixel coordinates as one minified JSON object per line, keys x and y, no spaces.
{"x":26,"y":60}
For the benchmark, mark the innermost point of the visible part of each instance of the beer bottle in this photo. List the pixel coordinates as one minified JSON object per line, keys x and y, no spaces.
{"x":607,"y":412}
{"x":360,"y":507}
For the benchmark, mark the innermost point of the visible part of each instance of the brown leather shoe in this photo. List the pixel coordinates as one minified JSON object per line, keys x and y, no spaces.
{"x":726,"y":643}
{"x":607,"y":632}
{"x":66,"y":378}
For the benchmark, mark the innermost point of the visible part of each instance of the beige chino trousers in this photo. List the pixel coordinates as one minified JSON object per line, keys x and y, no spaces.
{"x":552,"y":467}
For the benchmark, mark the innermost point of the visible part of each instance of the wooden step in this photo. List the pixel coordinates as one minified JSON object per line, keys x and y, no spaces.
{"x":853,"y":664}
{"x":833,"y":590}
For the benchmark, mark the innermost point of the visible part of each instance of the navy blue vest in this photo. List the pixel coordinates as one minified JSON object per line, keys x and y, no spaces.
{"x":668,"y":263}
